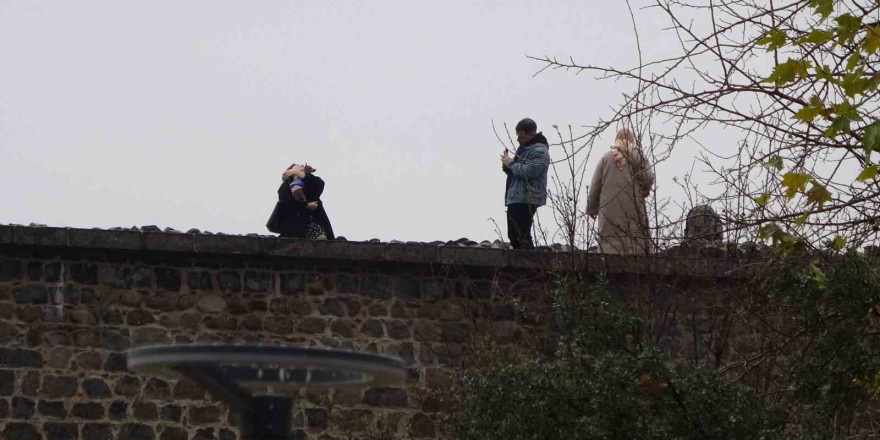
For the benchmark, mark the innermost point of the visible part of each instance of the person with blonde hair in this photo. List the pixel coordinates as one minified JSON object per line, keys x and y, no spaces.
{"x":621,"y":183}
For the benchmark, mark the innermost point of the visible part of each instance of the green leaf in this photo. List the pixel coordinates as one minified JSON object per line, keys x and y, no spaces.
{"x":871,"y":43}
{"x":774,"y":162}
{"x":825,"y":73}
{"x":794,"y":183}
{"x":871,"y":138}
{"x":855,"y":83}
{"x":810,"y":111}
{"x":869,"y":173}
{"x":802,"y":219}
{"x":818,"y":276}
{"x":774,"y":39}
{"x":847,"y":27}
{"x":822,"y":7}
{"x":853,"y":61}
{"x":818,"y":194}
{"x":816,"y":36}
{"x":838,"y":243}
{"x":769,"y":230}
{"x":788,"y":71}
{"x":762,"y":199}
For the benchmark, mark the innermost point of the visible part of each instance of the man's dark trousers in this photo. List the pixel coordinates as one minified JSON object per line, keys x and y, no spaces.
{"x":519,"y":225}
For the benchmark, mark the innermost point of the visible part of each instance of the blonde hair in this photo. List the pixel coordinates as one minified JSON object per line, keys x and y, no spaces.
{"x":625,"y":148}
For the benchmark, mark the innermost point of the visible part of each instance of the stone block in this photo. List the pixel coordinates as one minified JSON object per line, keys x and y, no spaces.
{"x":332,"y":306}
{"x":31,"y":295}
{"x":252,"y":324}
{"x":136,"y":431}
{"x":385,"y":397}
{"x":90,"y":238}
{"x":7,"y":382}
{"x":89,"y":360}
{"x":128,"y":386}
{"x":53,"y":409}
{"x":118,"y":410}
{"x":211,"y":303}
{"x":157,"y":389}
{"x":421,"y":426}
{"x":203,"y":415}
{"x":377,"y":286}
{"x":227,"y":244}
{"x":316,"y":418}
{"x":118,"y":340}
{"x":229,"y":281}
{"x":342,"y":328}
{"x":221,"y":322}
{"x":84,"y":273}
{"x":378,"y":310}
{"x":116,"y":362}
{"x":168,"y":278}
{"x":10,"y":270}
{"x":31,"y":383}
{"x":173,"y":433}
{"x":8,"y":332}
{"x":279,"y":324}
{"x":185,"y":389}
{"x":199,"y":280}
{"x":171,"y":413}
{"x":353,"y":420}
{"x":399,"y":330}
{"x":312,"y":325}
{"x":145,"y":411}
{"x":95,"y":388}
{"x":6,"y":233}
{"x":88,"y":410}
{"x":347,"y":283}
{"x":116,"y":277}
{"x":40,"y":236}
{"x":427,"y":331}
{"x":139,"y":317}
{"x":293,"y":283}
{"x":22,"y":408}
{"x":258,"y":281}
{"x":170,"y":242}
{"x":97,"y":431}
{"x":59,"y":386}
{"x":60,"y":431}
{"x":374,"y":328}
{"x":142,"y":336}
{"x":34,"y":270}
{"x":407,"y":288}
{"x":21,"y":431}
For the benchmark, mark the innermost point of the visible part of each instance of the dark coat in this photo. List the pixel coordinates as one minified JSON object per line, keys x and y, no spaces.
{"x":291,"y":218}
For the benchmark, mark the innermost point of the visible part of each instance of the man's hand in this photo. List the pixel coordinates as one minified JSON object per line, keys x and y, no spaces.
{"x":506,"y":160}
{"x":312,"y":205}
{"x":293,"y":170}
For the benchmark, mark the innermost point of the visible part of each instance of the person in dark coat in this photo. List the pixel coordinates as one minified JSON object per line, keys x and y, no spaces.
{"x":295,"y":219}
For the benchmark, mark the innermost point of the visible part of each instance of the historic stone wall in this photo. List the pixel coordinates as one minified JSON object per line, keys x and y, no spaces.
{"x":72,"y":301}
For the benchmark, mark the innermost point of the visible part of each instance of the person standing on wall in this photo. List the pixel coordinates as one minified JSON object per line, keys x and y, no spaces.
{"x":620,"y":186}
{"x":526,"y":187}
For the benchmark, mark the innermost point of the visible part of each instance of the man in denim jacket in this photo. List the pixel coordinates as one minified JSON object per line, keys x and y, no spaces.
{"x":526,"y":182}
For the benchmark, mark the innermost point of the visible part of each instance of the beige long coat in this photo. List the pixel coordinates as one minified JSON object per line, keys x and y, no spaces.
{"x":617,"y":196}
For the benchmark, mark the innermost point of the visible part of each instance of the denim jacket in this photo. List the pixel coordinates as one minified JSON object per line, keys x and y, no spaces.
{"x":527,"y":174}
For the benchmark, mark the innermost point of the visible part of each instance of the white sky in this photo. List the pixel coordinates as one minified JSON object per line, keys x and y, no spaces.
{"x":184,"y":114}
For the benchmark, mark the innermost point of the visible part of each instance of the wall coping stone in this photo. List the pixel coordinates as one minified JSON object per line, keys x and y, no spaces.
{"x":119,"y":239}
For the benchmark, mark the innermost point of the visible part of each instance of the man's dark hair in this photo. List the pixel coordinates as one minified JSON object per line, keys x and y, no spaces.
{"x":527,"y":125}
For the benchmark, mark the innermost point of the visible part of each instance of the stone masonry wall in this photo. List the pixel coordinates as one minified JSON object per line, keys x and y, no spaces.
{"x":72,"y":301}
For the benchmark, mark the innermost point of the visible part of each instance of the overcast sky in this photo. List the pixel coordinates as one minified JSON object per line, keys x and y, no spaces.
{"x":184,"y":114}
